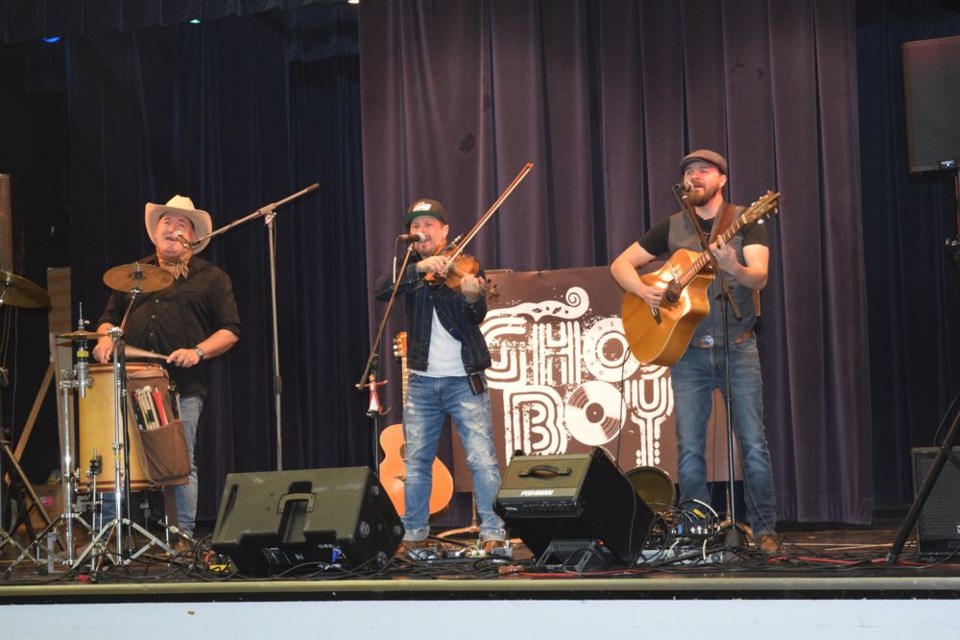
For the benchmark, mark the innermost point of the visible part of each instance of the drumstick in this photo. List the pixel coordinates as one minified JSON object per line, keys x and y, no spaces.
{"x":136,"y":352}
{"x":138,"y":415}
{"x":158,"y":403}
{"x":144,"y":399}
{"x":174,"y":400}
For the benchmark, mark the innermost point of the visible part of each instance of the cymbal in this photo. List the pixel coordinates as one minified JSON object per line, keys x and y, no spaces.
{"x":80,"y":334}
{"x":144,"y":277}
{"x":20,"y":292}
{"x":136,"y":352}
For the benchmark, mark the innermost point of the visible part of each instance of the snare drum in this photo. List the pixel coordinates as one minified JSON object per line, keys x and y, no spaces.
{"x":654,"y":486}
{"x":96,"y":423}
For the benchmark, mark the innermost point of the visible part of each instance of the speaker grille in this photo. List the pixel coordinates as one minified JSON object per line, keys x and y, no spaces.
{"x":938,"y":527}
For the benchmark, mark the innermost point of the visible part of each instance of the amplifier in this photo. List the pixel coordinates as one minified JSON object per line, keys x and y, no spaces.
{"x":938,"y":526}
{"x":578,"y":498}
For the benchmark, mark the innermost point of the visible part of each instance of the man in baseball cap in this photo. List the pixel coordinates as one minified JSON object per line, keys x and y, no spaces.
{"x":446,"y":359}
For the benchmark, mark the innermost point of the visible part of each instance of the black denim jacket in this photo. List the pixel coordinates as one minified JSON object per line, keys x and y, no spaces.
{"x":461,"y":318}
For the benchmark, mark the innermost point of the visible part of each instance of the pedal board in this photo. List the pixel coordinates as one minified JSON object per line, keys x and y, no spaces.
{"x":462,"y":555}
{"x":680,"y":555}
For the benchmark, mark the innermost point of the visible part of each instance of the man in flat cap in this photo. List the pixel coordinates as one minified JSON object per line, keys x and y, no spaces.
{"x":743,"y":261}
{"x":191,"y":321}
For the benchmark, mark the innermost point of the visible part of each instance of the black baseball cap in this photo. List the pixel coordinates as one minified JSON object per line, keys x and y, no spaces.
{"x":425,"y":207}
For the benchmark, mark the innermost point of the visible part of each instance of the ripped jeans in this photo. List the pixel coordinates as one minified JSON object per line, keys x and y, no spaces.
{"x":429,"y":401}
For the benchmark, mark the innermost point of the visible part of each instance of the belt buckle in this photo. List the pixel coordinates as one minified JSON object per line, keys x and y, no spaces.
{"x":705,"y":342}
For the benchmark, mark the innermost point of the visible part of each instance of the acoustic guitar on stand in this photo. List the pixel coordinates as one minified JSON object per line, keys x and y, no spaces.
{"x":392,"y":470}
{"x":660,"y":335}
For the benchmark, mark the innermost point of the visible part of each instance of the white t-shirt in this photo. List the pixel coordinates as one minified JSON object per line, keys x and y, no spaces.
{"x":444,"y":358}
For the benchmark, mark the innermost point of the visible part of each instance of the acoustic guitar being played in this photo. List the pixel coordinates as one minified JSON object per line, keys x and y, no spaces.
{"x":660,"y":335}
{"x":392,"y":469}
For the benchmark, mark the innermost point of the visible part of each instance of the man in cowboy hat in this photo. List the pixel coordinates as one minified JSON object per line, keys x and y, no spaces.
{"x":192,"y":320}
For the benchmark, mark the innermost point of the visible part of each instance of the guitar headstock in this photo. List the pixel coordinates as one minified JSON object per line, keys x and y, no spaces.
{"x":764,"y":205}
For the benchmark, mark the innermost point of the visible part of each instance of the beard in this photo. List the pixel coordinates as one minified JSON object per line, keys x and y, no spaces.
{"x":700,"y":197}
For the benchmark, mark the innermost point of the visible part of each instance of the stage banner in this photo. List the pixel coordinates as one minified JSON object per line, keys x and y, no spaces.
{"x":563,"y":379}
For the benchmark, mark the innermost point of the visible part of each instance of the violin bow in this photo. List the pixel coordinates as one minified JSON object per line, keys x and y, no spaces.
{"x":493,"y":208}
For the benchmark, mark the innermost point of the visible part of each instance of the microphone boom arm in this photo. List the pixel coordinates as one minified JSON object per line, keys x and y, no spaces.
{"x":266,"y":211}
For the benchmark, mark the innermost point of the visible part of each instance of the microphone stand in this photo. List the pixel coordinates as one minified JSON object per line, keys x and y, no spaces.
{"x":734,"y":537}
{"x":368,"y":380}
{"x":268,"y":213}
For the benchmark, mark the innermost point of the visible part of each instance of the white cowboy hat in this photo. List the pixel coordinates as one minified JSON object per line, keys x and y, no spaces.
{"x":180,"y":205}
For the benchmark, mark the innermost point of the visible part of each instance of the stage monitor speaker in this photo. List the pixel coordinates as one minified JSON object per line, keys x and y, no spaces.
{"x":938,"y":526}
{"x":561,"y":505}
{"x":296,"y":521}
{"x":931,"y":76}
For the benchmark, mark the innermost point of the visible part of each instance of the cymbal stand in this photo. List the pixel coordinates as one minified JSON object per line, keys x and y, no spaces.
{"x":78,"y":378}
{"x":121,"y":463}
{"x":5,"y":537}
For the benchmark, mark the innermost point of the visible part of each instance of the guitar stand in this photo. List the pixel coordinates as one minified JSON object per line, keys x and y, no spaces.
{"x":472,"y":528}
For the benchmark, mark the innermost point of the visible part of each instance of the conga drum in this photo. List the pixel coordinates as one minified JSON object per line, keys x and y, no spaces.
{"x":96,"y":425}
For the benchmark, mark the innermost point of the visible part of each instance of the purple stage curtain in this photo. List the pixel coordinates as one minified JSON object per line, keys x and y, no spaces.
{"x":604,"y":98}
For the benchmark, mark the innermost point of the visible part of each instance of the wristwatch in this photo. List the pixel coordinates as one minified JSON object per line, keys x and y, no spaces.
{"x":199,"y":352}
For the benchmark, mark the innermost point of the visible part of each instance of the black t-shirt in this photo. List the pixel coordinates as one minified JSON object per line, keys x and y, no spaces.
{"x":179,"y":317}
{"x":656,"y":240}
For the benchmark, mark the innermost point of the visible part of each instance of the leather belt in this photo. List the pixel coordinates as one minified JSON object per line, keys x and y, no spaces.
{"x":707,"y":341}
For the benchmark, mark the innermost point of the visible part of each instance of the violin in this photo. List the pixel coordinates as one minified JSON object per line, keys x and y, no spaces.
{"x":459,"y":263}
{"x":458,"y":266}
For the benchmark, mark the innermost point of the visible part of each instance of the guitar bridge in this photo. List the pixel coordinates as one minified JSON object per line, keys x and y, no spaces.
{"x":655,"y":312}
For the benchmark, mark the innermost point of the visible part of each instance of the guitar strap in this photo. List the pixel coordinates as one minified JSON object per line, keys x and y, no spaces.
{"x":724,"y":220}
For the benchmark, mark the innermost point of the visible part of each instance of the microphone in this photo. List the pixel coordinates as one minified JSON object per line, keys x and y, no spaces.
{"x":182,"y":240}
{"x":682,"y":187}
{"x":413,"y":237}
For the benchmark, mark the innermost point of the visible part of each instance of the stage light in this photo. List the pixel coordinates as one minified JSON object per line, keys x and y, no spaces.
{"x":195,"y":21}
{"x":51,"y":39}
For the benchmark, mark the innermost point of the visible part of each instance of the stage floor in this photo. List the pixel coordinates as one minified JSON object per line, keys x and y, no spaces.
{"x":815,"y":563}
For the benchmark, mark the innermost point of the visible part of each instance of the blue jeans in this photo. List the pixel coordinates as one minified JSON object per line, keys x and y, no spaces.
{"x":694,"y":378}
{"x":429,"y":401}
{"x":190,"y":408}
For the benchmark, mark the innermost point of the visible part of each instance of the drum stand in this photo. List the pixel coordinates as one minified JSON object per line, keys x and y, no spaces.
{"x":69,"y":380}
{"x":121,"y":450}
